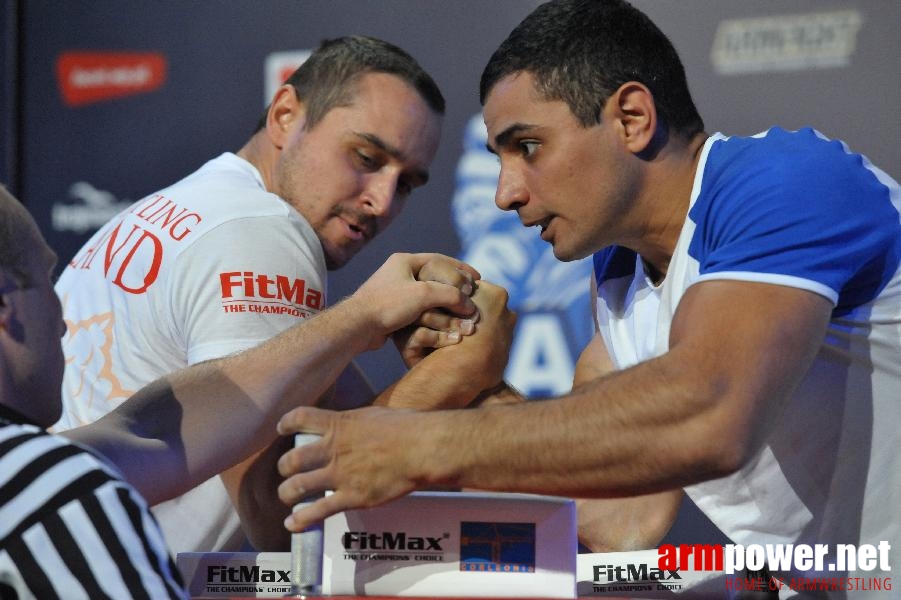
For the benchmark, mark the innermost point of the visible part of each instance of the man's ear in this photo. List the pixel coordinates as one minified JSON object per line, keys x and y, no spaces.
{"x":285,"y":113}
{"x":633,"y":108}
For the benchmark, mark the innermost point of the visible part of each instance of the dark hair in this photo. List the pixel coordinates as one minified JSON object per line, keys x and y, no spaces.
{"x":327,"y":78}
{"x":581,"y":51}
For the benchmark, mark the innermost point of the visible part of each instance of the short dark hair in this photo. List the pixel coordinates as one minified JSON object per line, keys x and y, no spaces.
{"x":327,"y":78}
{"x":581,"y":51}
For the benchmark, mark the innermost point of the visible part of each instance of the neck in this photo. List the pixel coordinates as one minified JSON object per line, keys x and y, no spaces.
{"x":259,"y":152}
{"x":669,"y":193}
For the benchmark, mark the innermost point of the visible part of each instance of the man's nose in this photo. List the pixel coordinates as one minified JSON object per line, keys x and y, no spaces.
{"x":379,"y":195}
{"x":511,"y":191}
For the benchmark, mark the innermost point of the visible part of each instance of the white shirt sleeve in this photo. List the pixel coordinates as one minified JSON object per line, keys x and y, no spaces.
{"x":244,"y":282}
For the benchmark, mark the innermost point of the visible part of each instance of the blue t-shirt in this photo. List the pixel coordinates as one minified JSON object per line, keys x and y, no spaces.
{"x":789,"y":205}
{"x":794,"y":209}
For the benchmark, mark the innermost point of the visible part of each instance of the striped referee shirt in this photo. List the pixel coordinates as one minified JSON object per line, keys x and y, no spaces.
{"x":70,"y":527}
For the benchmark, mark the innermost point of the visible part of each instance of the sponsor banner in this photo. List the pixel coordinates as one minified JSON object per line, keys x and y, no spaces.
{"x":236,"y":574}
{"x":89,"y":210}
{"x":278,"y":67}
{"x":637,"y":574}
{"x":786,"y":42}
{"x":88,"y":77}
{"x":732,"y":570}
{"x":454,"y":544}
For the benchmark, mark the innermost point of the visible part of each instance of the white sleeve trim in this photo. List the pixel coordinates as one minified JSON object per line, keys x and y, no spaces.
{"x":786,"y":280}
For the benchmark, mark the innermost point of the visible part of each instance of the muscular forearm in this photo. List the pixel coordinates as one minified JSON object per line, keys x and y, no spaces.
{"x":619,"y":524}
{"x":426,"y":386}
{"x":697,"y":412}
{"x":251,"y":486}
{"x":576,"y":446}
{"x":633,"y":432}
{"x":184,"y":428}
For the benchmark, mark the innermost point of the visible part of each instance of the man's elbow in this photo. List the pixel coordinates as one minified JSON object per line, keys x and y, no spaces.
{"x":269,"y":537}
{"x":726,"y":443}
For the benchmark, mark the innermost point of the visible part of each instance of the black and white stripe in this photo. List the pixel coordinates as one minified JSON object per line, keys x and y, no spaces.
{"x":71,"y":528}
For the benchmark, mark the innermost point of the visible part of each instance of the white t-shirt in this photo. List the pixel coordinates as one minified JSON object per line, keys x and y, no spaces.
{"x":793,"y":209}
{"x":209,"y":266}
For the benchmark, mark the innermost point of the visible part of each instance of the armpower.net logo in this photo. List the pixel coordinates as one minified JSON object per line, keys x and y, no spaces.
{"x":88,"y":77}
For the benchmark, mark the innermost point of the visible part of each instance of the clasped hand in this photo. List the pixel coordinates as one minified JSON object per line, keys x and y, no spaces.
{"x":460,"y":342}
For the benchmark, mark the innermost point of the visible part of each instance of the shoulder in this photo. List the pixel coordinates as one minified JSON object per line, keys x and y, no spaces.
{"x":46,"y":472}
{"x":223,"y":189}
{"x":56,"y":495}
{"x":797,"y":175}
{"x":773,"y":146}
{"x":226,"y":196}
{"x":796,"y":205}
{"x":802,"y":159}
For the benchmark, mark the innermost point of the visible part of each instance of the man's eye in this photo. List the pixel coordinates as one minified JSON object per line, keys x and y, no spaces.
{"x":367,"y":160}
{"x":528,"y":147}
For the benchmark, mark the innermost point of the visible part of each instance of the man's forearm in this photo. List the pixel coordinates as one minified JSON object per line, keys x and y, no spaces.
{"x":653,"y":427}
{"x":427,"y":387}
{"x":186,"y":427}
{"x":251,"y":486}
{"x":700,"y":411}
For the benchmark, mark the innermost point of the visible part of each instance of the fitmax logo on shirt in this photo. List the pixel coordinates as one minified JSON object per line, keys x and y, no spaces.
{"x":249,"y":285}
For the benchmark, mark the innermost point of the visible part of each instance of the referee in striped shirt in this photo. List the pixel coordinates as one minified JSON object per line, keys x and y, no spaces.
{"x":70,"y":527}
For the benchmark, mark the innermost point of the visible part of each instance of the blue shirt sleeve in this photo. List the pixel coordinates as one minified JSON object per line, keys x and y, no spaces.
{"x":793,"y":207}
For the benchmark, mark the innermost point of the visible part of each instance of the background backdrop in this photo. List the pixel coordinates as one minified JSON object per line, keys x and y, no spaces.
{"x":105,"y":101}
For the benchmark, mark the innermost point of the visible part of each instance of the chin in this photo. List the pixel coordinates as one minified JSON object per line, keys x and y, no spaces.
{"x":335,"y":256}
{"x":569,"y":254}
{"x":332,"y":265}
{"x":334,"y":262}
